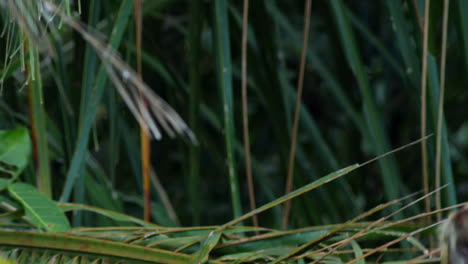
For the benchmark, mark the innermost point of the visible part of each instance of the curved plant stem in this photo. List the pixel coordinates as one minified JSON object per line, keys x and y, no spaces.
{"x":423,"y":106}
{"x":300,"y":84}
{"x":441,"y":105}
{"x":144,"y":135}
{"x":248,"y":164}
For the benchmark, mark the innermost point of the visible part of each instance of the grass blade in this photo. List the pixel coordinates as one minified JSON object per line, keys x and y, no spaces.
{"x":440,"y":111}
{"x":194,"y":55}
{"x":224,"y":82}
{"x":87,"y":116}
{"x":207,"y":245}
{"x":73,"y":244}
{"x":378,"y":137}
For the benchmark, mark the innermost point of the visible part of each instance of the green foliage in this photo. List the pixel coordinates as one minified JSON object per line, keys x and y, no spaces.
{"x":15,"y":152}
{"x":42,"y":211}
{"x":68,"y":77}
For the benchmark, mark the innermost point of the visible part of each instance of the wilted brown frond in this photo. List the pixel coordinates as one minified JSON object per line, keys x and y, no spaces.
{"x":35,"y":19}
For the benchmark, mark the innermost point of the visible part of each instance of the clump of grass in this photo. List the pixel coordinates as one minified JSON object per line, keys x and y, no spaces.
{"x":353,"y":77}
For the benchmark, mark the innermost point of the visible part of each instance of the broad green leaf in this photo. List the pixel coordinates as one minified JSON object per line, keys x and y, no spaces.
{"x":15,"y":150}
{"x":42,"y":211}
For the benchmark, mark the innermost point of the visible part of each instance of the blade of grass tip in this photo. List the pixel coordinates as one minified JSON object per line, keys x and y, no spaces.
{"x":86,"y":121}
{"x":375,"y":223}
{"x":270,"y":96}
{"x":224,"y":79}
{"x":194,"y":52}
{"x":423,"y":105}
{"x":441,"y":105}
{"x":378,"y":137}
{"x":300,"y":84}
{"x":144,"y":134}
{"x":303,"y":247}
{"x":311,"y":186}
{"x":38,"y":118}
{"x":315,"y":184}
{"x":307,"y":120}
{"x":366,"y":214}
{"x":393,"y":242}
{"x":245,"y":119}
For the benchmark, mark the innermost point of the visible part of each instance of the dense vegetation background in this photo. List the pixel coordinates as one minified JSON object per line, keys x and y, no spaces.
{"x":361,"y":98}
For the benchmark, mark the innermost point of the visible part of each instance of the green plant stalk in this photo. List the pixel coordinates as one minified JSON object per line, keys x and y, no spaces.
{"x":194,"y":50}
{"x":87,"y":116}
{"x":300,"y":85}
{"x":145,"y":141}
{"x":38,"y":122}
{"x":74,"y":244}
{"x":224,"y":82}
{"x":425,"y":175}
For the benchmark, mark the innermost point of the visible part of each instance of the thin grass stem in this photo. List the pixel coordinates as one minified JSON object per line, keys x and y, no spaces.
{"x":245,"y":117}
{"x":300,"y":84}
{"x":144,"y":134}
{"x":423,"y":106}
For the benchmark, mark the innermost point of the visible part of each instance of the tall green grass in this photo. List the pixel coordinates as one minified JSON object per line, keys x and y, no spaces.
{"x":362,"y":87}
